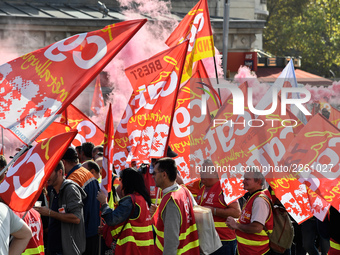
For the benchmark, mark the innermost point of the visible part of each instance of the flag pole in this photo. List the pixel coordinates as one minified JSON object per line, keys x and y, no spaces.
{"x":225,"y":37}
{"x":2,"y":139}
{"x":26,"y":146}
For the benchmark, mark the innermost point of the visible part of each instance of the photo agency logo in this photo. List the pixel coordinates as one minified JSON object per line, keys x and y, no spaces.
{"x":239,"y":105}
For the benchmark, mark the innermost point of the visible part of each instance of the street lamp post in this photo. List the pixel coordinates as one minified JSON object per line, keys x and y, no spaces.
{"x":225,"y":37}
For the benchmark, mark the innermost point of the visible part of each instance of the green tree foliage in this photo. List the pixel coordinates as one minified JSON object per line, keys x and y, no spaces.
{"x":309,"y":29}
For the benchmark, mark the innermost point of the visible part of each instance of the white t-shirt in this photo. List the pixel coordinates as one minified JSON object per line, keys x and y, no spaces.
{"x":9,"y":223}
{"x":260,"y":211}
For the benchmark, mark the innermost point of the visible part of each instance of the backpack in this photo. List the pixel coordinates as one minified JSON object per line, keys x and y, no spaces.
{"x":283,"y":232}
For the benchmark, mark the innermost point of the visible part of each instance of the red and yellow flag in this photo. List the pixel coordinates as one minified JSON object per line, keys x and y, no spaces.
{"x":196,"y":28}
{"x":97,"y":100}
{"x":26,"y":177}
{"x":189,"y":125}
{"x":38,"y":85}
{"x":88,"y":131}
{"x":313,"y":158}
{"x":155,"y":83}
{"x":106,"y":183}
{"x":54,"y":129}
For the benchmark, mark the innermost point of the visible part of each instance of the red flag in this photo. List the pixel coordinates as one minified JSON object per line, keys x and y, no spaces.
{"x":313,"y":158}
{"x":88,"y":131}
{"x":121,"y":139}
{"x":196,"y":28}
{"x":97,"y":100}
{"x":41,"y":84}
{"x":2,"y":150}
{"x":334,"y":114}
{"x":54,"y":129}
{"x":222,"y":148}
{"x":108,"y":153}
{"x":155,"y":82}
{"x":189,"y":125}
{"x":26,"y":177}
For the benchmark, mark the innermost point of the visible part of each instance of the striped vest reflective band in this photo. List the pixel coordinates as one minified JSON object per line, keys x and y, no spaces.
{"x":137,"y":236}
{"x":255,"y":244}
{"x":212,"y":199}
{"x":188,"y":235}
{"x":36,"y":244}
{"x":334,"y":248}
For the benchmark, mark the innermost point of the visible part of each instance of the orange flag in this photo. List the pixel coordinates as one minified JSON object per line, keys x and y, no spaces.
{"x":26,"y":177}
{"x":97,"y":100}
{"x":38,"y":85}
{"x":106,"y":183}
{"x":196,"y":28}
{"x":313,"y":158}
{"x":88,"y":131}
{"x":155,"y":83}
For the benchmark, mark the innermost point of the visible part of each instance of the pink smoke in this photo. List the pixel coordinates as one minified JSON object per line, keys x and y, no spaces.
{"x":244,"y":74}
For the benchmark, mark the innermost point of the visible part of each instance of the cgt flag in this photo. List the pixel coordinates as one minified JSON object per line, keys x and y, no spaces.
{"x":97,"y":100}
{"x":54,"y":129}
{"x":155,"y":82}
{"x":196,"y":28}
{"x":87,"y":130}
{"x":26,"y":177}
{"x":313,"y":158}
{"x":37,"y":86}
{"x":105,"y":185}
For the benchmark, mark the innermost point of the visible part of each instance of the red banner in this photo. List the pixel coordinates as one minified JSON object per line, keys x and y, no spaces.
{"x":54,"y":129}
{"x":189,"y":125}
{"x":97,"y":100}
{"x":26,"y":177}
{"x":196,"y":28}
{"x":88,"y":131}
{"x":155,"y":82}
{"x":313,"y":158}
{"x":108,"y":153}
{"x":41,"y":84}
{"x":121,"y":139}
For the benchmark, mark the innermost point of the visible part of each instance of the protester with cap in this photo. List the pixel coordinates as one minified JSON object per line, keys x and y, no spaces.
{"x":85,"y":179}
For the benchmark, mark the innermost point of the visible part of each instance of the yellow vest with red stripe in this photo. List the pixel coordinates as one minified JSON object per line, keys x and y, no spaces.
{"x":188,"y":235}
{"x":212,"y":199}
{"x":334,"y":248}
{"x":137,"y":235}
{"x":258,"y":243}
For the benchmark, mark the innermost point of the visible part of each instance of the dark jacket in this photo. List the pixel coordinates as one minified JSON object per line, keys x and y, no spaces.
{"x":72,"y":235}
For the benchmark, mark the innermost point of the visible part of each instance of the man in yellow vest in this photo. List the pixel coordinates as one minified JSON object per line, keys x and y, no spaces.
{"x":176,"y":231}
{"x":256,"y":217}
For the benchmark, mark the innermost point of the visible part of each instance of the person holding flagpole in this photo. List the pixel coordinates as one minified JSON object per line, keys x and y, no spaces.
{"x":130,"y":222}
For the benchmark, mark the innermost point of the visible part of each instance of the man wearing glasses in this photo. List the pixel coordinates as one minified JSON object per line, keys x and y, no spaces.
{"x":175,"y":228}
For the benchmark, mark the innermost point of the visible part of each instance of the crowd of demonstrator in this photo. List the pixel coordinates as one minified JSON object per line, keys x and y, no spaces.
{"x":148,"y":211}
